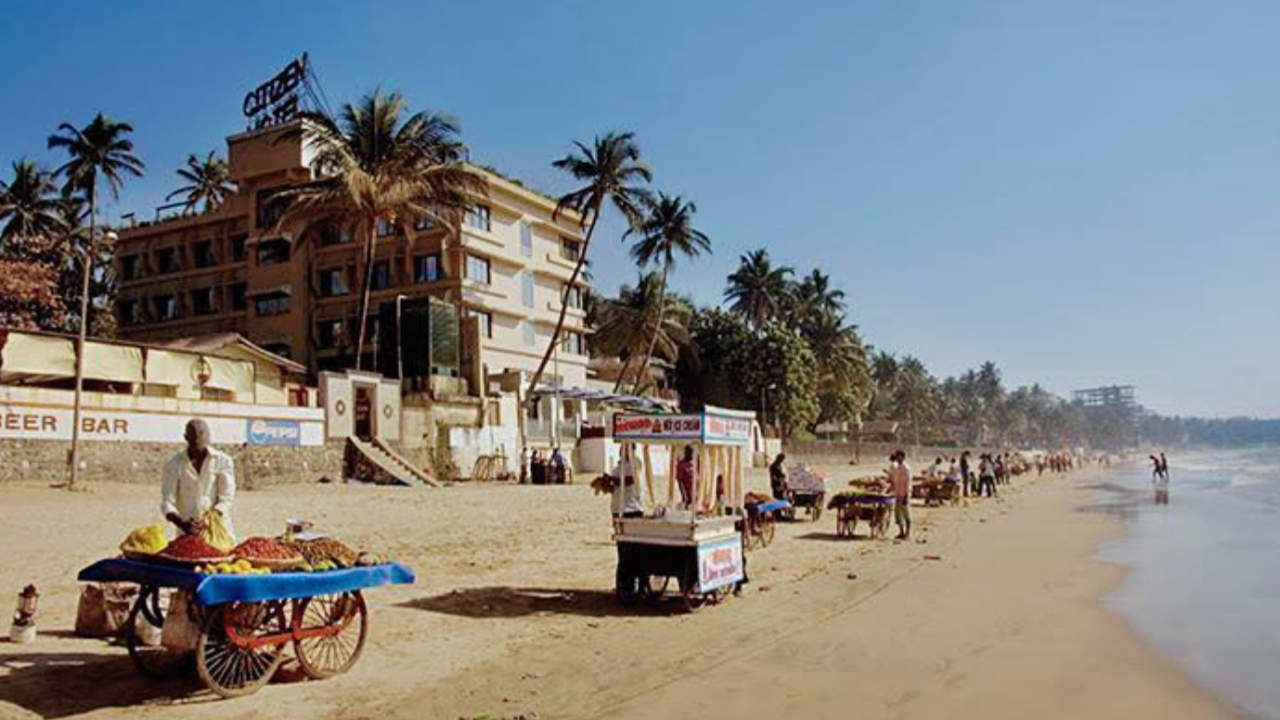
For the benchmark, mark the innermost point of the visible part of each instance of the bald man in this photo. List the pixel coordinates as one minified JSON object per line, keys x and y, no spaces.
{"x":197,"y":480}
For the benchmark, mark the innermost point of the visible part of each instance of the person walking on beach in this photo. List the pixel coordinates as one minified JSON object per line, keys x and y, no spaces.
{"x":986,"y":476}
{"x":900,"y":484}
{"x":966,"y":473}
{"x":778,"y":477}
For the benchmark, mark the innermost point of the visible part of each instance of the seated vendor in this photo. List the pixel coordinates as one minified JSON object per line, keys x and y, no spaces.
{"x":686,"y":473}
{"x":627,"y":502}
{"x":197,"y":480}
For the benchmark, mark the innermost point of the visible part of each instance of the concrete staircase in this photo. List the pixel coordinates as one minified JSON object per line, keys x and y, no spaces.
{"x":377,"y":462}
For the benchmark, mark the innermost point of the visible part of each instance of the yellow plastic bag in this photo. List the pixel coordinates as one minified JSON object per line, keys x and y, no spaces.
{"x":148,"y":540}
{"x":215,"y":532}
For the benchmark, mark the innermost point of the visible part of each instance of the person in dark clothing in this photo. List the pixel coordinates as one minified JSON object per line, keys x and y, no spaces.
{"x":966,"y":473}
{"x":778,"y":477}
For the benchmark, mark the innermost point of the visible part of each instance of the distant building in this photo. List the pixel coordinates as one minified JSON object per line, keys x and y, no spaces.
{"x":1106,"y":396}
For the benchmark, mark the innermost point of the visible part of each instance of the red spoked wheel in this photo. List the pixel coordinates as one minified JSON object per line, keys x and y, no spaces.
{"x":329,"y":633}
{"x":241,"y":646}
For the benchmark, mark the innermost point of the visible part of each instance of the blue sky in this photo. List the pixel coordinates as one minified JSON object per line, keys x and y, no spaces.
{"x":1084,"y":192}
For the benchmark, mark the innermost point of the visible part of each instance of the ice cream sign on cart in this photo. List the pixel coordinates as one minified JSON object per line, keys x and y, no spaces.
{"x":719,"y":564}
{"x":712,"y":424}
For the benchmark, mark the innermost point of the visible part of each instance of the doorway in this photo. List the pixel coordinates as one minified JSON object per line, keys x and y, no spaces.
{"x":364,"y":411}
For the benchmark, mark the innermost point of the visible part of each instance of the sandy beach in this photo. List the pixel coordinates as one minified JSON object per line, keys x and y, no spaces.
{"x":513,"y":615}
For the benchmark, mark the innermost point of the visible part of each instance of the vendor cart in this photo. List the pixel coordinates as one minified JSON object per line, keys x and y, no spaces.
{"x":806,"y":489}
{"x":872,"y":508}
{"x":759,"y":520}
{"x":244,"y":622}
{"x":699,"y":545}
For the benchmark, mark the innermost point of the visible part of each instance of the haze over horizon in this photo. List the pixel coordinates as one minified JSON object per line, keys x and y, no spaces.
{"x":1085,"y":193}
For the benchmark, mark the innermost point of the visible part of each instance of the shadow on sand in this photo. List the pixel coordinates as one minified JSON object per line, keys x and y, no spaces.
{"x":55,"y":685}
{"x":518,"y":602}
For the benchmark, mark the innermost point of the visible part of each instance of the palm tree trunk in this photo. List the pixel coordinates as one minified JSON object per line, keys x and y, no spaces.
{"x":622,"y":374}
{"x":367,"y":287}
{"x":564,"y":307}
{"x":653,"y":342}
{"x":86,"y":268}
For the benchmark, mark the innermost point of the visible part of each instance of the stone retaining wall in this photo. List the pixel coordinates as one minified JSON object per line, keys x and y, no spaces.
{"x":256,"y":466}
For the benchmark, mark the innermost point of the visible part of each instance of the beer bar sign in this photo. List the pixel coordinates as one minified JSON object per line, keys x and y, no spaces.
{"x":275,"y":101}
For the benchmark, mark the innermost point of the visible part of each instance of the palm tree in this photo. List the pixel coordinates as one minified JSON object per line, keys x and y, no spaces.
{"x":665,"y":231}
{"x":814,"y":296}
{"x":375,"y":165}
{"x":99,"y":150}
{"x":642,"y":319}
{"x":208,"y":181}
{"x":609,"y":171}
{"x":758,"y":291}
{"x":30,"y":208}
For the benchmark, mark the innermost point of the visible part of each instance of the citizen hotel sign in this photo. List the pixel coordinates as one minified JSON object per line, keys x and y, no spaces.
{"x":21,"y":422}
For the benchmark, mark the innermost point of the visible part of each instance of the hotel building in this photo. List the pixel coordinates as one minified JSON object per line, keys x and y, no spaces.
{"x":296,"y":292}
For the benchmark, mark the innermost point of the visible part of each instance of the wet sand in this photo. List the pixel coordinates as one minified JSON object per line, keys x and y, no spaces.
{"x":513,"y":614}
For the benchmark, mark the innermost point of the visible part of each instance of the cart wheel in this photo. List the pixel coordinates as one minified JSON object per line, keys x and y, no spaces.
{"x":232,"y":658}
{"x":154,"y":661}
{"x":654,"y":587}
{"x":721,"y":594}
{"x":766,"y":531}
{"x":345,"y":621}
{"x":750,"y":534}
{"x":692,"y":599}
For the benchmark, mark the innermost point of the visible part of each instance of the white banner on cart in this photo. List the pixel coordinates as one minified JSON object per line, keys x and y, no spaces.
{"x":657,"y":427}
{"x":720,"y":564}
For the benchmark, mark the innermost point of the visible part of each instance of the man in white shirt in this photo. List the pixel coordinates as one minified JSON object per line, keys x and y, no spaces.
{"x":197,"y":480}
{"x":626,"y":495}
{"x":900,"y":483}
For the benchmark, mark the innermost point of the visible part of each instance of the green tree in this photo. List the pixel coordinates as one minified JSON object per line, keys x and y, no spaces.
{"x":642,"y":319}
{"x":31,"y":212}
{"x":377,"y":164}
{"x":29,"y":295}
{"x":208,"y":181}
{"x":844,"y":378}
{"x":709,"y":368}
{"x":914,"y":397}
{"x":884,"y":381}
{"x":610,"y":170}
{"x":781,"y":370}
{"x":812,"y":298}
{"x":757,"y":291}
{"x":665,"y":231}
{"x":100,"y":150}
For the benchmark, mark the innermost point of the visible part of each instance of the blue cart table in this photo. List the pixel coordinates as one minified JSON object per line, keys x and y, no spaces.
{"x":245,"y":621}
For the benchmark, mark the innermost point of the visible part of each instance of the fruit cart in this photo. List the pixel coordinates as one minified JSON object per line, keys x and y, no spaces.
{"x":699,"y":546}
{"x":806,"y":489}
{"x":871,"y":507}
{"x":245,"y":622}
{"x":759,"y":520}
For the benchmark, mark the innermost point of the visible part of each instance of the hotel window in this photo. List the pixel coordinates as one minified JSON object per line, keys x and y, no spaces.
{"x":387,"y":228}
{"x":273,"y":251}
{"x":167,"y":259}
{"x":270,"y":209}
{"x":202,"y":301}
{"x":239,"y":300}
{"x":331,"y":333}
{"x":530,"y":333}
{"x":203,"y":252}
{"x":127,"y":310}
{"x":478,"y":269}
{"x":573,"y":297}
{"x":331,"y":234}
{"x":526,"y":239}
{"x":486,"y":323}
{"x":570,"y":249}
{"x":426,"y":222}
{"x":381,"y":277}
{"x":526,"y":288}
{"x":129,"y":267}
{"x":573,"y":343}
{"x":333,"y":282}
{"x":426,"y":268}
{"x":268,"y":305}
{"x":478,"y":217}
{"x":166,"y":307}
{"x":238,"y":243}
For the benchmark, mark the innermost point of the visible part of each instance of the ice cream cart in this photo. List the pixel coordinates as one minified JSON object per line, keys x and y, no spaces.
{"x":699,"y":545}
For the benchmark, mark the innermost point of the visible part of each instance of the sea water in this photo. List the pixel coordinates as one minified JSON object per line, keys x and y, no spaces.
{"x":1205,"y":582}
